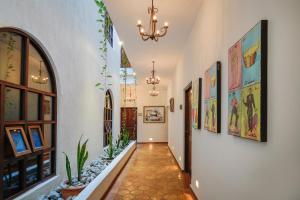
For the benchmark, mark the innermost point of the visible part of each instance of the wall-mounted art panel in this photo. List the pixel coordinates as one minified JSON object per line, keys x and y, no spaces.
{"x":196,"y":103}
{"x":212,"y":98}
{"x":247,"y":76}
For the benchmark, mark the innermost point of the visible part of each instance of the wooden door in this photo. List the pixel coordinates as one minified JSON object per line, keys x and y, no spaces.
{"x":188,"y":132}
{"x":131,"y":121}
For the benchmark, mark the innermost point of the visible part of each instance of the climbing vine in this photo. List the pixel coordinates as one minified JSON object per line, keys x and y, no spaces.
{"x":105,"y":23}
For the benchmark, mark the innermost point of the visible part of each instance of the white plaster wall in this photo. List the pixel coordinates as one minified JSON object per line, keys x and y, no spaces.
{"x":157,"y":131}
{"x":68,"y":31}
{"x":228,"y":167}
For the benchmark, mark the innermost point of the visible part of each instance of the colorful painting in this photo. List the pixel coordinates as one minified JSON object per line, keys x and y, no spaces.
{"x":154,"y":114}
{"x":196,"y":103}
{"x":212,"y":98}
{"x":247,"y":100}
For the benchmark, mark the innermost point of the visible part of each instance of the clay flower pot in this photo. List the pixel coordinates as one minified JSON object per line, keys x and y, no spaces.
{"x":69,"y":191}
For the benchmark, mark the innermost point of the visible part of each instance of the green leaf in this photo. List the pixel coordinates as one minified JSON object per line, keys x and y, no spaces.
{"x":68,"y":169}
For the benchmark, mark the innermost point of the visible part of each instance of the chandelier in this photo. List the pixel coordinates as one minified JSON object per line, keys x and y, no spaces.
{"x":153,"y":33}
{"x":153,"y":80}
{"x":39,"y":79}
{"x":154,"y":92}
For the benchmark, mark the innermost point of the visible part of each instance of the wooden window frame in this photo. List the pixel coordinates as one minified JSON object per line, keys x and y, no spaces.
{"x":107,"y":118}
{"x":23,"y":122}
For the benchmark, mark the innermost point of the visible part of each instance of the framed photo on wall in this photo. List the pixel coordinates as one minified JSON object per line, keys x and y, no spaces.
{"x":36,"y":138}
{"x":154,"y":114}
{"x":18,"y":140}
{"x":247,"y":85}
{"x":212,"y":98}
{"x":196,"y":103}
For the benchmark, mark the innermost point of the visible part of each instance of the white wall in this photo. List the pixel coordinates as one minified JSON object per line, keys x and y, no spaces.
{"x":68,"y":31}
{"x":228,"y":167}
{"x":157,"y":131}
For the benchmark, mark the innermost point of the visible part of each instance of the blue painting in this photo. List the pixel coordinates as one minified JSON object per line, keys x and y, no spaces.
{"x":36,"y":137}
{"x":18,"y":141}
{"x":251,"y":50}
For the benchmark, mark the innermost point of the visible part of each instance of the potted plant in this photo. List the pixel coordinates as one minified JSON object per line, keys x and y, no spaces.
{"x":73,"y":186}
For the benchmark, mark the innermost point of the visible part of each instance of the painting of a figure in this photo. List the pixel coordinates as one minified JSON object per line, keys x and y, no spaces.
{"x":207,"y":85}
{"x":247,"y":99}
{"x":196,"y":103}
{"x":234,"y":112}
{"x":18,"y":140}
{"x":235,"y":66}
{"x":212,"y":106}
{"x":251,"y":112}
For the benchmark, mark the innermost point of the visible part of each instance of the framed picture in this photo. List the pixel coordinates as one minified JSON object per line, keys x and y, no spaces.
{"x":154,"y":114}
{"x":36,"y":138}
{"x":172,"y":105}
{"x":212,"y":98}
{"x":247,"y":81}
{"x":18,"y":141}
{"x":196,"y":103}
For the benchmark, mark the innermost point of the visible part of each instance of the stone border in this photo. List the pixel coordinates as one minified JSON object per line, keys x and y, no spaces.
{"x":99,"y":186}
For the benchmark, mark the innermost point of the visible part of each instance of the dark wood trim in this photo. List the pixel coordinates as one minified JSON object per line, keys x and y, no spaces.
{"x":219,"y":99}
{"x":115,"y":179}
{"x":186,"y":90}
{"x":1,"y":138}
{"x":264,"y":81}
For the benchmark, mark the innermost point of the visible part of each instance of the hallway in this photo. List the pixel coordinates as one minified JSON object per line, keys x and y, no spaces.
{"x":151,"y":173}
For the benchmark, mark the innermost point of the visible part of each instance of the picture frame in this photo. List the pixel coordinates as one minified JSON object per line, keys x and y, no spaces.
{"x":172,"y":106}
{"x":212,"y":98}
{"x":154,"y":114}
{"x":247,"y":84}
{"x":196,"y":103}
{"x":36,"y":138}
{"x":18,"y":140}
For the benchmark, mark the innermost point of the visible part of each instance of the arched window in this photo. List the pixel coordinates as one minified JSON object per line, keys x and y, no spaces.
{"x":27,"y":114}
{"x":108,"y":112}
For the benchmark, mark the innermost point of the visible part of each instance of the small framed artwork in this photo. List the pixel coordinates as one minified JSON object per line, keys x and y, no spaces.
{"x":36,"y":138}
{"x":196,"y":103}
{"x":212,"y":98}
{"x":154,"y":114}
{"x":172,"y":105}
{"x":18,"y":140}
{"x":247,"y":79}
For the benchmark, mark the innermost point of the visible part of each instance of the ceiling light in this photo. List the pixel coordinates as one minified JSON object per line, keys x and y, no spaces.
{"x":39,"y":79}
{"x":154,"y":33}
{"x":153,"y":80}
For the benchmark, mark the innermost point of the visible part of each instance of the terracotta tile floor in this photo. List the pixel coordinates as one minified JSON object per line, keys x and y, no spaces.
{"x":151,"y":173}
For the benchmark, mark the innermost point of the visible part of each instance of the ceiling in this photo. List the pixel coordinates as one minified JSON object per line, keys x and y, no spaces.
{"x":180,"y":14}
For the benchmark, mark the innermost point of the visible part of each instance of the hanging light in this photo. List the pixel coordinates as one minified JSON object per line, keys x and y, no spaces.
{"x":39,"y":79}
{"x":154,"y":33}
{"x":153,"y":80}
{"x":154,"y":92}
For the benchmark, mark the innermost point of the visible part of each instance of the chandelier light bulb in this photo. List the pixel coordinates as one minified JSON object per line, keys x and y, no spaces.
{"x":139,"y":22}
{"x":142,"y":30}
{"x":157,"y":32}
{"x":166,"y":24}
{"x":154,"y":18}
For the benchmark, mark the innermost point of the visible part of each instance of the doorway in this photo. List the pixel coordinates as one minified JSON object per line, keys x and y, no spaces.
{"x":130,"y":121}
{"x":188,"y":133}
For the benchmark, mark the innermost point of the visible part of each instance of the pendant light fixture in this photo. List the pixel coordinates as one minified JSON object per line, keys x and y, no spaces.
{"x":39,"y":79}
{"x":153,"y":33}
{"x":152,"y":79}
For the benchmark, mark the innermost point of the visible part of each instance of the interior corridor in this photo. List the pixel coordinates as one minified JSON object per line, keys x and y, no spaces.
{"x":151,"y":173}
